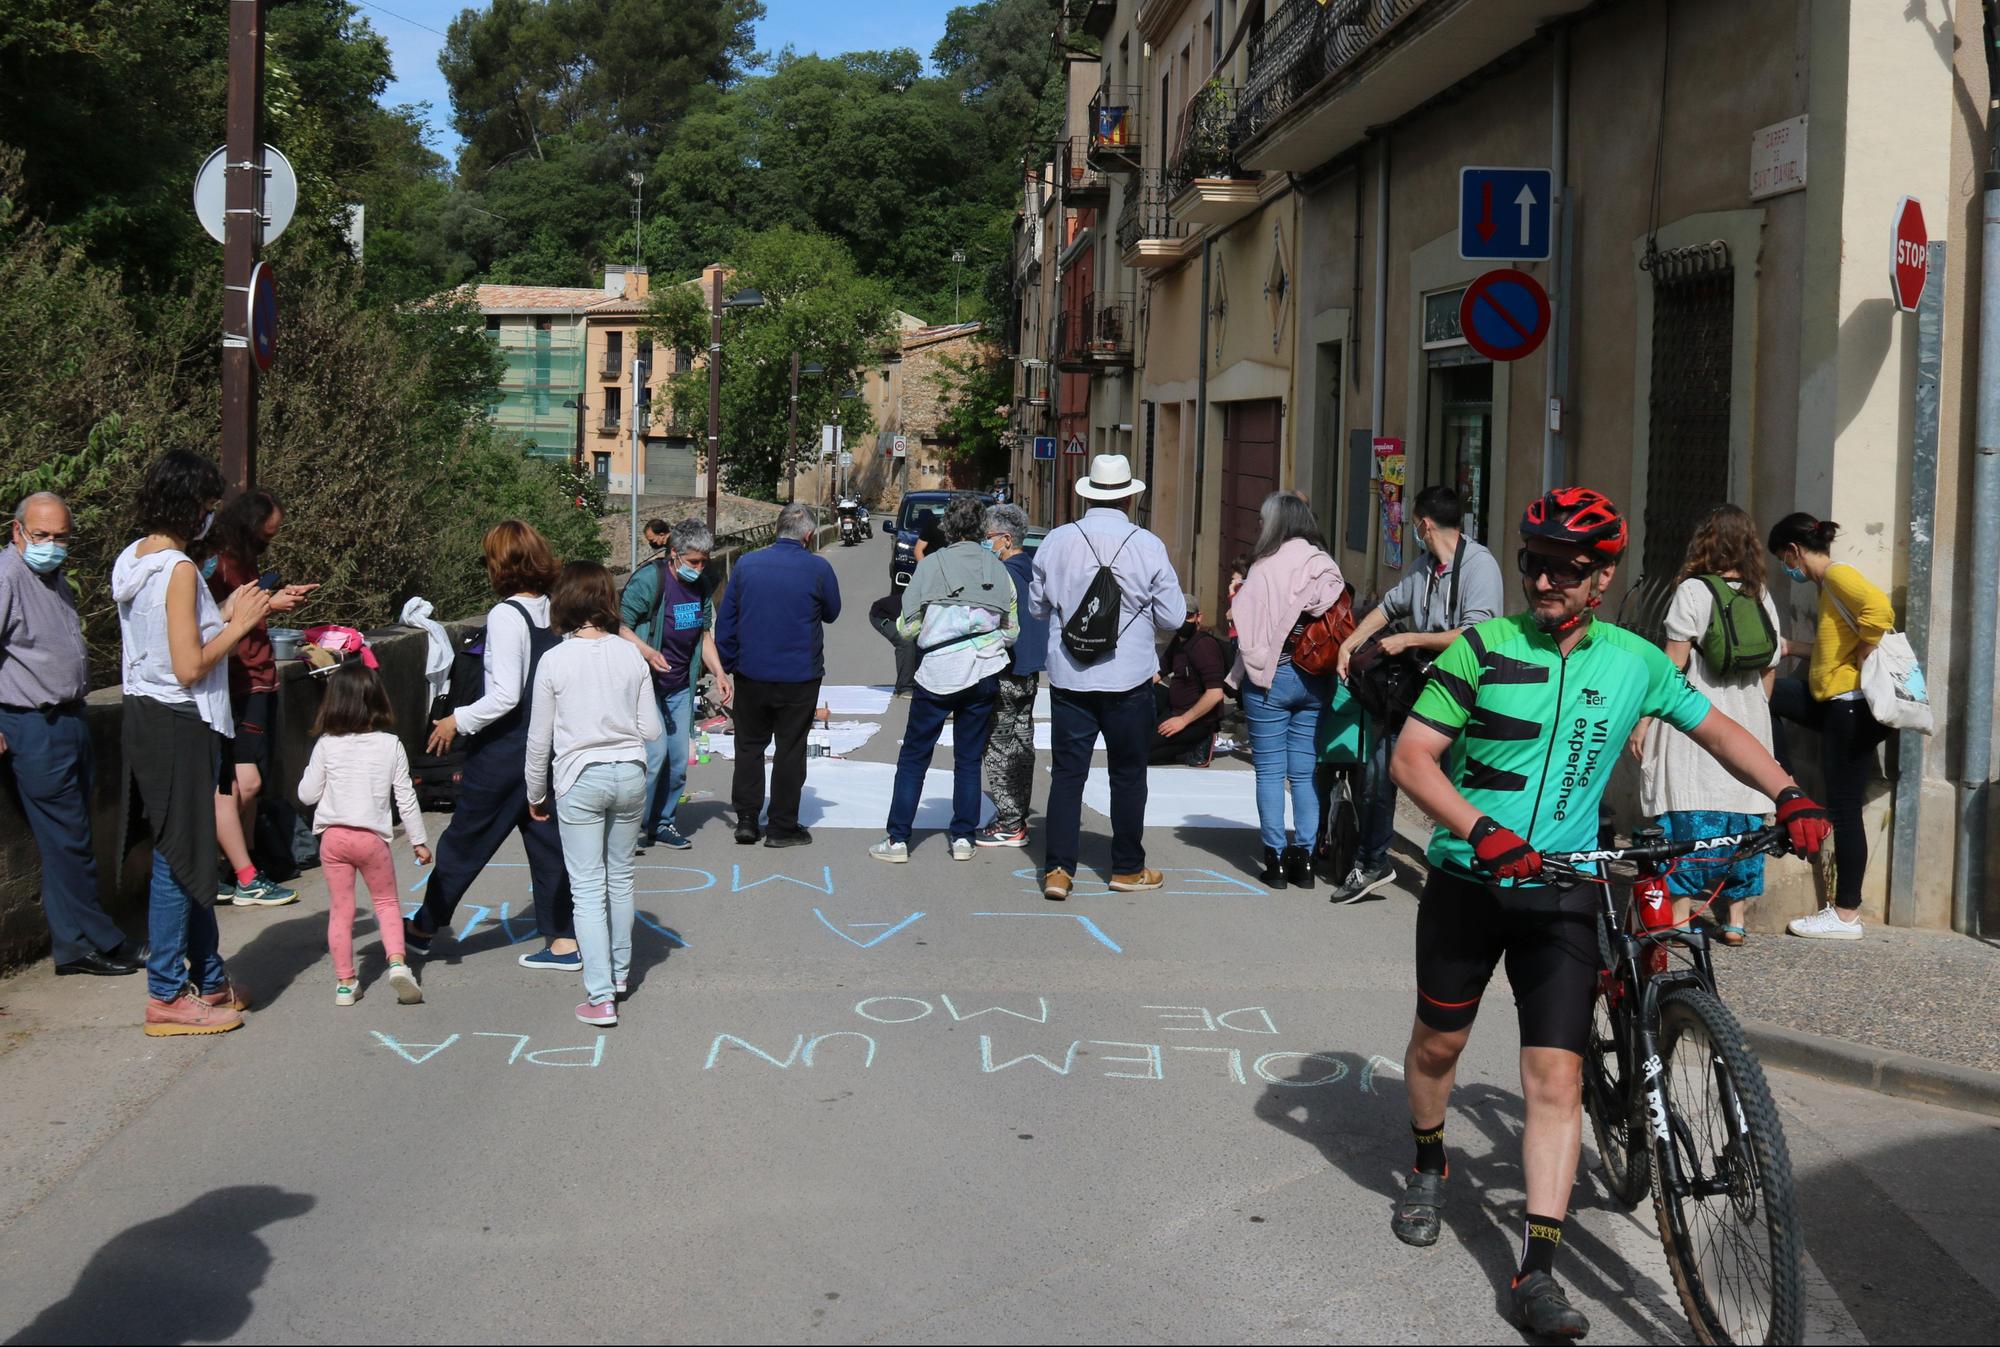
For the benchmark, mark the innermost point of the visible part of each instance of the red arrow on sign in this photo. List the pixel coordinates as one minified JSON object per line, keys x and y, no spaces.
{"x":1486,"y":225}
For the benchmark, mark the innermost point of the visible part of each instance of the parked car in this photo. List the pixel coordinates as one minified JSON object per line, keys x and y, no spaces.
{"x":920,"y":509}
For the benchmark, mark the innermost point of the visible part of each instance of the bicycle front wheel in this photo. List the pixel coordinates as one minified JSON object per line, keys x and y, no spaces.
{"x":1724,"y":1197}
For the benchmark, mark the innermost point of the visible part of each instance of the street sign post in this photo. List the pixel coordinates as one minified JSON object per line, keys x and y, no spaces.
{"x":1075,"y":445}
{"x":1045,"y":447}
{"x":1504,"y":213}
{"x":1504,"y":314}
{"x":902,"y":446}
{"x":263,"y":316}
{"x":278,"y":196}
{"x":1909,"y":254}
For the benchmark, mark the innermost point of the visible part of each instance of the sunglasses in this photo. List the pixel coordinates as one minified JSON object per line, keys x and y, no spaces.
{"x":1560,"y":573}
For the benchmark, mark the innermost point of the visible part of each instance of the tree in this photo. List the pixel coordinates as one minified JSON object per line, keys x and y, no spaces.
{"x":979,"y":392}
{"x":815,"y":303}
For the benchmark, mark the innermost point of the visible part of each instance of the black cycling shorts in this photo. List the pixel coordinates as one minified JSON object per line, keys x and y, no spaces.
{"x":1548,"y":937}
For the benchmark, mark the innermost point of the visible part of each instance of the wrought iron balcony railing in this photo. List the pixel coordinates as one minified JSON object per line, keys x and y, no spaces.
{"x":1115,"y":126}
{"x":1302,"y":43}
{"x":1207,"y":144}
{"x":1145,"y":214}
{"x":1082,"y":182}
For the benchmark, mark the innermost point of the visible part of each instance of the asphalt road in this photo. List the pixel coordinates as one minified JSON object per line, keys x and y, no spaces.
{"x":854,"y":1102}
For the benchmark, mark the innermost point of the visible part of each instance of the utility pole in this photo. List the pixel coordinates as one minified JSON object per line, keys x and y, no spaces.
{"x":242,"y":230}
{"x":957,"y":263}
{"x":635,"y":468}
{"x":792,"y":438}
{"x":714,"y":393}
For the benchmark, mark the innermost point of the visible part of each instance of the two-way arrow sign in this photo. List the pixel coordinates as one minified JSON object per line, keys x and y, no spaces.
{"x":1484,"y":237}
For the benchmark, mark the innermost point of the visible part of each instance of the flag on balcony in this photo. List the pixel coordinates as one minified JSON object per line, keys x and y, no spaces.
{"x":1113,"y":127}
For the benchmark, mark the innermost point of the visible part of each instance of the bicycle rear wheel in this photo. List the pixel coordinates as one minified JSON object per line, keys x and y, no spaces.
{"x":1625,"y":1159}
{"x":1731,"y":1226}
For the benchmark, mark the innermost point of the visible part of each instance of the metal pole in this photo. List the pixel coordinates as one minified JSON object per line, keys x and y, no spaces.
{"x":714,"y":394}
{"x":792,"y":438}
{"x":633,"y":468}
{"x":1983,"y":568}
{"x":1553,"y":449}
{"x":1917,"y":614}
{"x":1378,"y":390}
{"x":243,"y":227}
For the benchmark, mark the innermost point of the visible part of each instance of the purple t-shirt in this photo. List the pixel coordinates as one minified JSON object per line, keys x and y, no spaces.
{"x":682,"y":619}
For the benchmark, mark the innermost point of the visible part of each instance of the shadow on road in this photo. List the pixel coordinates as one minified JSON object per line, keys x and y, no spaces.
{"x":1483,"y":1211}
{"x":184,"y":1277}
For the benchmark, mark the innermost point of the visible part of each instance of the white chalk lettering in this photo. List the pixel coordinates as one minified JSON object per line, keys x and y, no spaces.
{"x":957,"y":1014}
{"x":1151,"y":1057}
{"x":520,"y":1042}
{"x":1207,"y":1025}
{"x":404,"y":1050}
{"x":1259,"y":1011}
{"x":1339,"y":1071}
{"x":545,"y":1056}
{"x":715,"y":1050}
{"x":1235,"y":1059}
{"x":861,"y":1009}
{"x":866,"y":1061}
{"x":987,"y":1064}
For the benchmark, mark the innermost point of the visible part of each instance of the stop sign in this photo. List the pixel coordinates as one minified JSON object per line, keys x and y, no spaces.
{"x":1909,"y":254}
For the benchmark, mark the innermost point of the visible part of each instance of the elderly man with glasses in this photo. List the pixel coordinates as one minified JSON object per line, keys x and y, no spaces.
{"x":44,"y":743}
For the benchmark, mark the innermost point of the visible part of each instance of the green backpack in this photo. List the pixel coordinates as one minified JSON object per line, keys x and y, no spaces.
{"x":1739,"y":639}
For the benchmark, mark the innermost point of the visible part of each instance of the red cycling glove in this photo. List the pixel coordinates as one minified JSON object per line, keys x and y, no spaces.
{"x":1503,"y":853}
{"x":1804,"y":822}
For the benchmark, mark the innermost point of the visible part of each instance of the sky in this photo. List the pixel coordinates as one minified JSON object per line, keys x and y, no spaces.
{"x":414,"y":30}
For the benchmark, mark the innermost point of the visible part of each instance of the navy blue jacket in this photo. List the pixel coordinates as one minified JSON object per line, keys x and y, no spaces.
{"x":1031,"y":647}
{"x":768,"y":624}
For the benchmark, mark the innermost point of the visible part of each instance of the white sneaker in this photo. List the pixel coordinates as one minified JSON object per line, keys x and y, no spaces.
{"x":1826,"y":924}
{"x":408,"y":992}
{"x":347,"y":993}
{"x":961,"y":848}
{"x":895,"y":853}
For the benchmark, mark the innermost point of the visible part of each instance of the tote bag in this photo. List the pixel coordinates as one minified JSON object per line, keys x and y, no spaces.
{"x":1892,"y":682}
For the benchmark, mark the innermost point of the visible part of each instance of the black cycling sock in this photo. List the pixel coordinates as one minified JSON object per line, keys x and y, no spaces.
{"x":1430,"y":1149}
{"x":1541,"y":1237}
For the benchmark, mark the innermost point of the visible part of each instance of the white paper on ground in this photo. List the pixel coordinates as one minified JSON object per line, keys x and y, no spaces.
{"x":1044,"y":736}
{"x":1185,"y":797}
{"x":856,"y":699}
{"x":846,"y":736}
{"x":1044,"y":709}
{"x":856,"y":795}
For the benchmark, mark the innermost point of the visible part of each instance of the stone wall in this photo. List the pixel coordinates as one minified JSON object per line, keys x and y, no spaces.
{"x":122,"y":869}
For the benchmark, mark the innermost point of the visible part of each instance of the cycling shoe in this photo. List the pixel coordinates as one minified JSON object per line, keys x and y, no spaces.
{"x":1416,"y":1219}
{"x":1543,"y":1309}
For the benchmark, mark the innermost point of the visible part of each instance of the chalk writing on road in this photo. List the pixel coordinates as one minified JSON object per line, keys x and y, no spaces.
{"x":416,"y":1054}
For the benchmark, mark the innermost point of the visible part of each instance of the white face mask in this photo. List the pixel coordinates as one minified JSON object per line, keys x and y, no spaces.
{"x":206,"y":521}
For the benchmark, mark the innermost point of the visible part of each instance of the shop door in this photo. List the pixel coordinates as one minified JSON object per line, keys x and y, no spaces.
{"x":1461,"y":440}
{"x":1249,"y":474}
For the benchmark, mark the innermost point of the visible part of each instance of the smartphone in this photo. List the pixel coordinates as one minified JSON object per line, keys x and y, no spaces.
{"x":270,"y":580}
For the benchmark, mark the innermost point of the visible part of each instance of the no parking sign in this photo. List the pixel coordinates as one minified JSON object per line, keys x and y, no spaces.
{"x":1504,"y":314}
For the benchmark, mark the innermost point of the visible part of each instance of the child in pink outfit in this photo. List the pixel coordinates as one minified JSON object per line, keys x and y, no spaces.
{"x":357,"y":765}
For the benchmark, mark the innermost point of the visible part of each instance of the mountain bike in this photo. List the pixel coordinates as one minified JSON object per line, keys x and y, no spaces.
{"x":1678,"y":1101}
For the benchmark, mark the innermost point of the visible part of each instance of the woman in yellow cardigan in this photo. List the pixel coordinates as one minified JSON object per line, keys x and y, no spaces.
{"x":1853,"y":616}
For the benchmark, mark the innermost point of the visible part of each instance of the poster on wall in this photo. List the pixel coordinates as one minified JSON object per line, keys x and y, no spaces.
{"x":1389,"y":476}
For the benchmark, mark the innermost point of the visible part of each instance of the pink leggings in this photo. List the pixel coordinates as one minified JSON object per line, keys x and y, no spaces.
{"x":342,"y":851}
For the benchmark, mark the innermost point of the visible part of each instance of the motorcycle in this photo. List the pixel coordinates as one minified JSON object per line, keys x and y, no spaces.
{"x":854,"y":525}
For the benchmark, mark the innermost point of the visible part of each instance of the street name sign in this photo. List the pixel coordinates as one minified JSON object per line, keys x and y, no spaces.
{"x":1504,"y":314}
{"x":1909,"y":254}
{"x":1503,"y":214}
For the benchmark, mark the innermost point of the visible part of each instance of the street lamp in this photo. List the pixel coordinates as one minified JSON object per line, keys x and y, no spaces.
{"x":743,"y":299}
{"x":957,"y":262}
{"x":811,"y":370}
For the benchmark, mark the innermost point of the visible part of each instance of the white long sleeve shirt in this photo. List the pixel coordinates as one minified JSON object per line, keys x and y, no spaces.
{"x":593,"y":702}
{"x":505,"y":661}
{"x":351,"y":777}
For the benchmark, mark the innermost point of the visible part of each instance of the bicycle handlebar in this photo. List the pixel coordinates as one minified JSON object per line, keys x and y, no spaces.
{"x":1772,"y":839}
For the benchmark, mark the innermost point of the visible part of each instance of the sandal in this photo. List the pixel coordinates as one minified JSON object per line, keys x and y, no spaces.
{"x":1732,"y":935}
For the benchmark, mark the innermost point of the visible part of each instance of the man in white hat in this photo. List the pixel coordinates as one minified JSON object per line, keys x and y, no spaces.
{"x":1105,"y":587}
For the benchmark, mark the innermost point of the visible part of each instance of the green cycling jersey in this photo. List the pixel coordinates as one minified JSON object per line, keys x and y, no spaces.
{"x":1535,"y":733}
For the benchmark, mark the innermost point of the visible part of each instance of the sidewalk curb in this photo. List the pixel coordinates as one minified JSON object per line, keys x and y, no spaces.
{"x":1878,"y":1069}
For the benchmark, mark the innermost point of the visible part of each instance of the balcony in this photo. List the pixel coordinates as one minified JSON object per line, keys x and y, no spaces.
{"x":1083,"y":183}
{"x":1206,"y":183}
{"x":1094,"y":338}
{"x":1115,"y":128}
{"x":1321,"y":73}
{"x":613,"y":364}
{"x":1090,"y":16}
{"x":611,"y":420}
{"x":1149,"y":237}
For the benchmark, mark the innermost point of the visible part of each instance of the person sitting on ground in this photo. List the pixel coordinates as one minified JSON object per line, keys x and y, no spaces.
{"x":886,"y":616}
{"x":1694,"y":796}
{"x":357,"y":769}
{"x":959,"y":607}
{"x":1188,"y":693}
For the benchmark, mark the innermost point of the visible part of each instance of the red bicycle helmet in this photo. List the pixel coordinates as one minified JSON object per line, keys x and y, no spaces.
{"x":1580,"y":517}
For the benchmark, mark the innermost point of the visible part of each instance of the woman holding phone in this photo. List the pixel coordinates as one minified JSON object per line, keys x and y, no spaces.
{"x":242,"y":532}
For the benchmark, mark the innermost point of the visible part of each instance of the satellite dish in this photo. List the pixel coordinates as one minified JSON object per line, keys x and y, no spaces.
{"x":280,"y":194}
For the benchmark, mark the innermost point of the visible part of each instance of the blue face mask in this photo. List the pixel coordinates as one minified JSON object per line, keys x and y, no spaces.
{"x":44,"y":557}
{"x":987,"y":544}
{"x":688,"y":574}
{"x":208,"y":568}
{"x":1794,"y":573}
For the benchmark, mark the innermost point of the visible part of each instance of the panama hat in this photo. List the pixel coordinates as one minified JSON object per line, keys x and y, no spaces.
{"x":1110,"y":479}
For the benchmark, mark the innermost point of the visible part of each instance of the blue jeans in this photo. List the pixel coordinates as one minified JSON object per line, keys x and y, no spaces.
{"x":1284,"y":725}
{"x":1127,"y":723}
{"x":1378,"y":805}
{"x":185,"y":945}
{"x":49,"y":758}
{"x":970,"y":711}
{"x":599,"y":817}
{"x":667,"y":760}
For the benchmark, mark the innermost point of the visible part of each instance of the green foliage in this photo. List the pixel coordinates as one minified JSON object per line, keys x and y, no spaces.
{"x":980,"y":390}
{"x":815,"y":303}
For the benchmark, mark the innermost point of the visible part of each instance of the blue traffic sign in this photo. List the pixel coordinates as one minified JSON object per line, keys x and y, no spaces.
{"x":1045,"y":446}
{"x":1503,"y":214}
{"x":1504,"y":314}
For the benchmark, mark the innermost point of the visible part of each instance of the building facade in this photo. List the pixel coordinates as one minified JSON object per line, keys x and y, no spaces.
{"x":1288,"y":226}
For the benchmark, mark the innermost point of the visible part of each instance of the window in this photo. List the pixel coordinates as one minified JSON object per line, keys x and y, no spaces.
{"x":613,"y":406}
{"x":1687,"y":465}
{"x":614,"y":352}
{"x":492,"y":322}
{"x":541,"y":324}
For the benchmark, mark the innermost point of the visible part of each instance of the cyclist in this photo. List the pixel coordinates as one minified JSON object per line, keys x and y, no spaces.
{"x":1509,"y":748}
